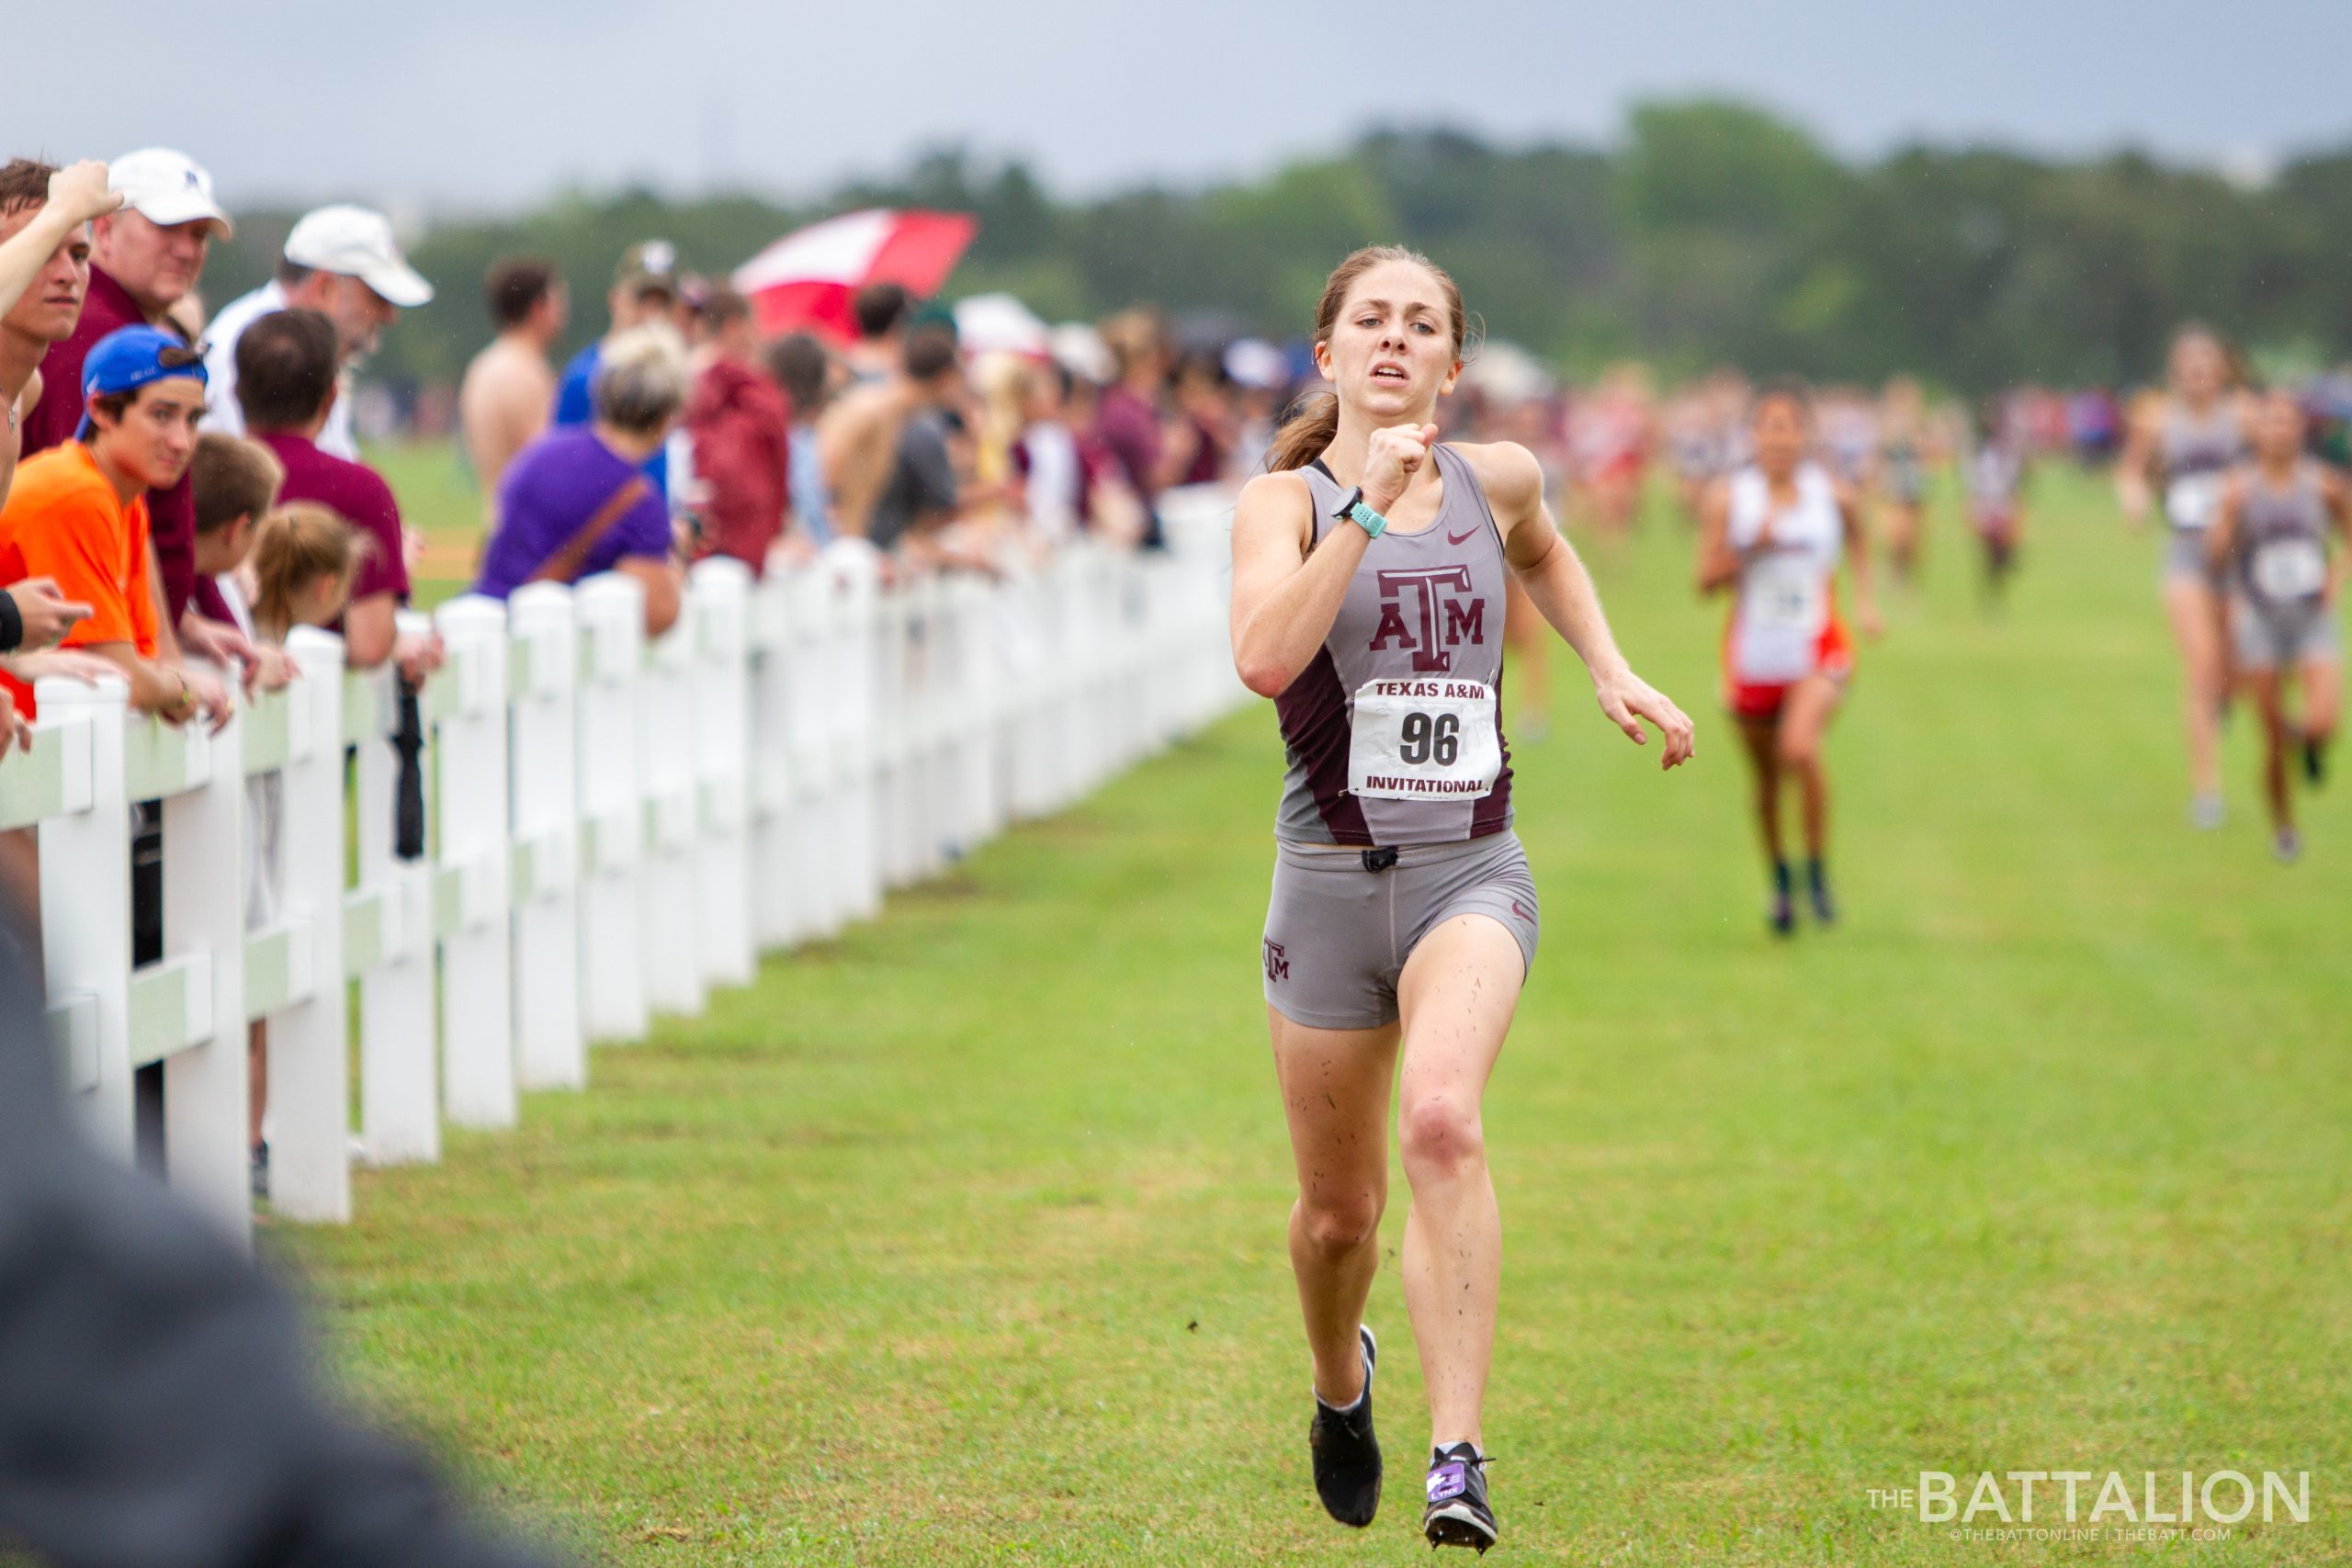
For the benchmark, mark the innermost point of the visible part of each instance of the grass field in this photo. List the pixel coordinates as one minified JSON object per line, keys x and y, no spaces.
{"x":961,"y":1239}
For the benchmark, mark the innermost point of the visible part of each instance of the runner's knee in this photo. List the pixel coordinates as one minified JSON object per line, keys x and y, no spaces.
{"x":1441,"y":1132}
{"x":1797,"y":752}
{"x":1337,"y":1225}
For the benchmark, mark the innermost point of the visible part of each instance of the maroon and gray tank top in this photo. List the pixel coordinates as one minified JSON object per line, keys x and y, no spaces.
{"x":2282,"y":544}
{"x":1393,"y":734}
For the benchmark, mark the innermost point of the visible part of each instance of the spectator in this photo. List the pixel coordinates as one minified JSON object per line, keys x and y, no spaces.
{"x":235,"y":483}
{"x":576,"y":501}
{"x":808,"y":375}
{"x":1047,"y":456}
{"x":286,"y":382}
{"x":1151,"y":454}
{"x":157,"y":1399}
{"x":921,"y":496}
{"x":645,"y":290}
{"x":343,"y":262}
{"x":78,"y":514}
{"x":145,"y":259}
{"x":878,"y":493}
{"x":508,"y":394}
{"x":741,"y":438}
{"x":44,"y":272}
{"x":881,"y":312}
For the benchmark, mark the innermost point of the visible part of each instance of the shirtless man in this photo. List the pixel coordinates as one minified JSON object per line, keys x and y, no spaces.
{"x":44,"y":272}
{"x":509,"y":390}
{"x":857,"y":438}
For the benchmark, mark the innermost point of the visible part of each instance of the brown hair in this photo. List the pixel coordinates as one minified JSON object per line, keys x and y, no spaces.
{"x":286,"y":364}
{"x":515,"y":286}
{"x":295,"y":546}
{"x":232,"y":478}
{"x":1305,"y":434}
{"x":24,"y":185}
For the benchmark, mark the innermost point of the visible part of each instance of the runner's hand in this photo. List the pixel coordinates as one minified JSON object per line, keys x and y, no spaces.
{"x":80,"y":192}
{"x":1396,"y":455}
{"x":1628,"y":699}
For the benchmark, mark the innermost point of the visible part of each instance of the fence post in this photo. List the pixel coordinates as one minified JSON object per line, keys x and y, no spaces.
{"x":720,"y":675}
{"x":85,"y":908}
{"x":204,"y":1152}
{"x":551,"y":1050}
{"x":471,"y":875}
{"x":780,"y":884}
{"x":309,"y":1076}
{"x":400,"y":1070}
{"x":666,"y":741}
{"x":857,"y":716}
{"x":610,"y":608}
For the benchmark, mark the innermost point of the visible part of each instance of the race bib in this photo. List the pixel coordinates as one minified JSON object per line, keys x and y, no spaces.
{"x":2290,"y":569}
{"x":1784,"y":593}
{"x":2191,"y":500}
{"x":1426,"y":739}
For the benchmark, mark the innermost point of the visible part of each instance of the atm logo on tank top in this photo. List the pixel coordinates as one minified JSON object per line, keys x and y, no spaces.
{"x":1443,"y":624}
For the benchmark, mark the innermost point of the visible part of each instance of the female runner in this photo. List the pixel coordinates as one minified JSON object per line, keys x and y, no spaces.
{"x":2185,"y":451}
{"x":2270,"y":543}
{"x":1774,"y":533}
{"x":1367,"y":600}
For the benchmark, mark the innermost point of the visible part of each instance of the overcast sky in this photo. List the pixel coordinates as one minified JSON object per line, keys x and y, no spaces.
{"x":495,"y":103}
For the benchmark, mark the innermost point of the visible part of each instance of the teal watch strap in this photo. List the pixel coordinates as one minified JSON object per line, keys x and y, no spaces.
{"x":1365,"y":518}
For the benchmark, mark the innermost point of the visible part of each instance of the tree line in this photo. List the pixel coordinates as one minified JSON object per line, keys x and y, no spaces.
{"x":1713,"y":231}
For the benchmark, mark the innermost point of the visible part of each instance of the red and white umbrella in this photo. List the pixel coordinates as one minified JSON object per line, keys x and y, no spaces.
{"x":807,"y":280}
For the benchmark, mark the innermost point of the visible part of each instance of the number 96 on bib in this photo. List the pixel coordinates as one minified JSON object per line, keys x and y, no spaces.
{"x":1423,"y":739}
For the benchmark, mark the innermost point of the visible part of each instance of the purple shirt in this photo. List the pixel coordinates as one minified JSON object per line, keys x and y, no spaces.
{"x":550,"y":492}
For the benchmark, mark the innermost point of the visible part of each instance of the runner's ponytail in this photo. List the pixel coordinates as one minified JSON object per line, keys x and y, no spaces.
{"x":1303,"y":435}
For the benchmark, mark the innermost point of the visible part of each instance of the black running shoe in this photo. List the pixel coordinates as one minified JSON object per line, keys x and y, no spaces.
{"x":1825,"y":907}
{"x":1347,"y":1456}
{"x":1781,"y":915}
{"x":1458,"y":1514}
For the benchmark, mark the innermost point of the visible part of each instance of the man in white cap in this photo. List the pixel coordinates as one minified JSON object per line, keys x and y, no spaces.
{"x":342,"y":262}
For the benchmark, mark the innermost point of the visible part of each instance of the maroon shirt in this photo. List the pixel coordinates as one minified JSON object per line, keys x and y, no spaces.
{"x":1129,"y":428}
{"x":742,"y":434}
{"x":171,"y":512}
{"x":360,"y":495}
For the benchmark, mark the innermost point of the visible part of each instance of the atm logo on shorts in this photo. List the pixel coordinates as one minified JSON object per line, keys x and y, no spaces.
{"x":1277,"y":961}
{"x":1444,"y":623}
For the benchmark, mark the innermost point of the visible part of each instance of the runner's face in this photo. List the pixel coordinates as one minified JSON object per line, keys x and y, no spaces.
{"x":1392,"y":353}
{"x":156,"y":435}
{"x":2278,"y":432}
{"x":47,"y":310}
{"x":2198,"y":370}
{"x":1780,"y":437}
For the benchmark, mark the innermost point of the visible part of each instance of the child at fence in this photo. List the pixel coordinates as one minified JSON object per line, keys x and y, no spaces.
{"x":242,"y":537}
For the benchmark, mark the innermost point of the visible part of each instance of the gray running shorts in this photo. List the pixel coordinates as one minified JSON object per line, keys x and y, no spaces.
{"x":2185,"y":557}
{"x":1338,"y":935}
{"x":2283,"y":638}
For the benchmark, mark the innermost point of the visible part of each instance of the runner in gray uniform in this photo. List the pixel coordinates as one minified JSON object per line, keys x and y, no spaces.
{"x":1368,"y":580}
{"x":2181,"y":458}
{"x":2270,"y":542}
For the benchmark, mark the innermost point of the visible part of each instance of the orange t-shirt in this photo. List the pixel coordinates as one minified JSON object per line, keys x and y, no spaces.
{"x":63,"y":521}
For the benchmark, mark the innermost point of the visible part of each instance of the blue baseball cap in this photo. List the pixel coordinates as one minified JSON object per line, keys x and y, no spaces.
{"x":129,"y":358}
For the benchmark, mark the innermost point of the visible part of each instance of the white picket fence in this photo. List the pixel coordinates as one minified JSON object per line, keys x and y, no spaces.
{"x":614,"y":829}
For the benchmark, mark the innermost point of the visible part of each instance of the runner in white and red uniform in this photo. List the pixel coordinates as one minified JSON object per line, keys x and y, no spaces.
{"x":1368,"y":572}
{"x":1773,"y":534}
